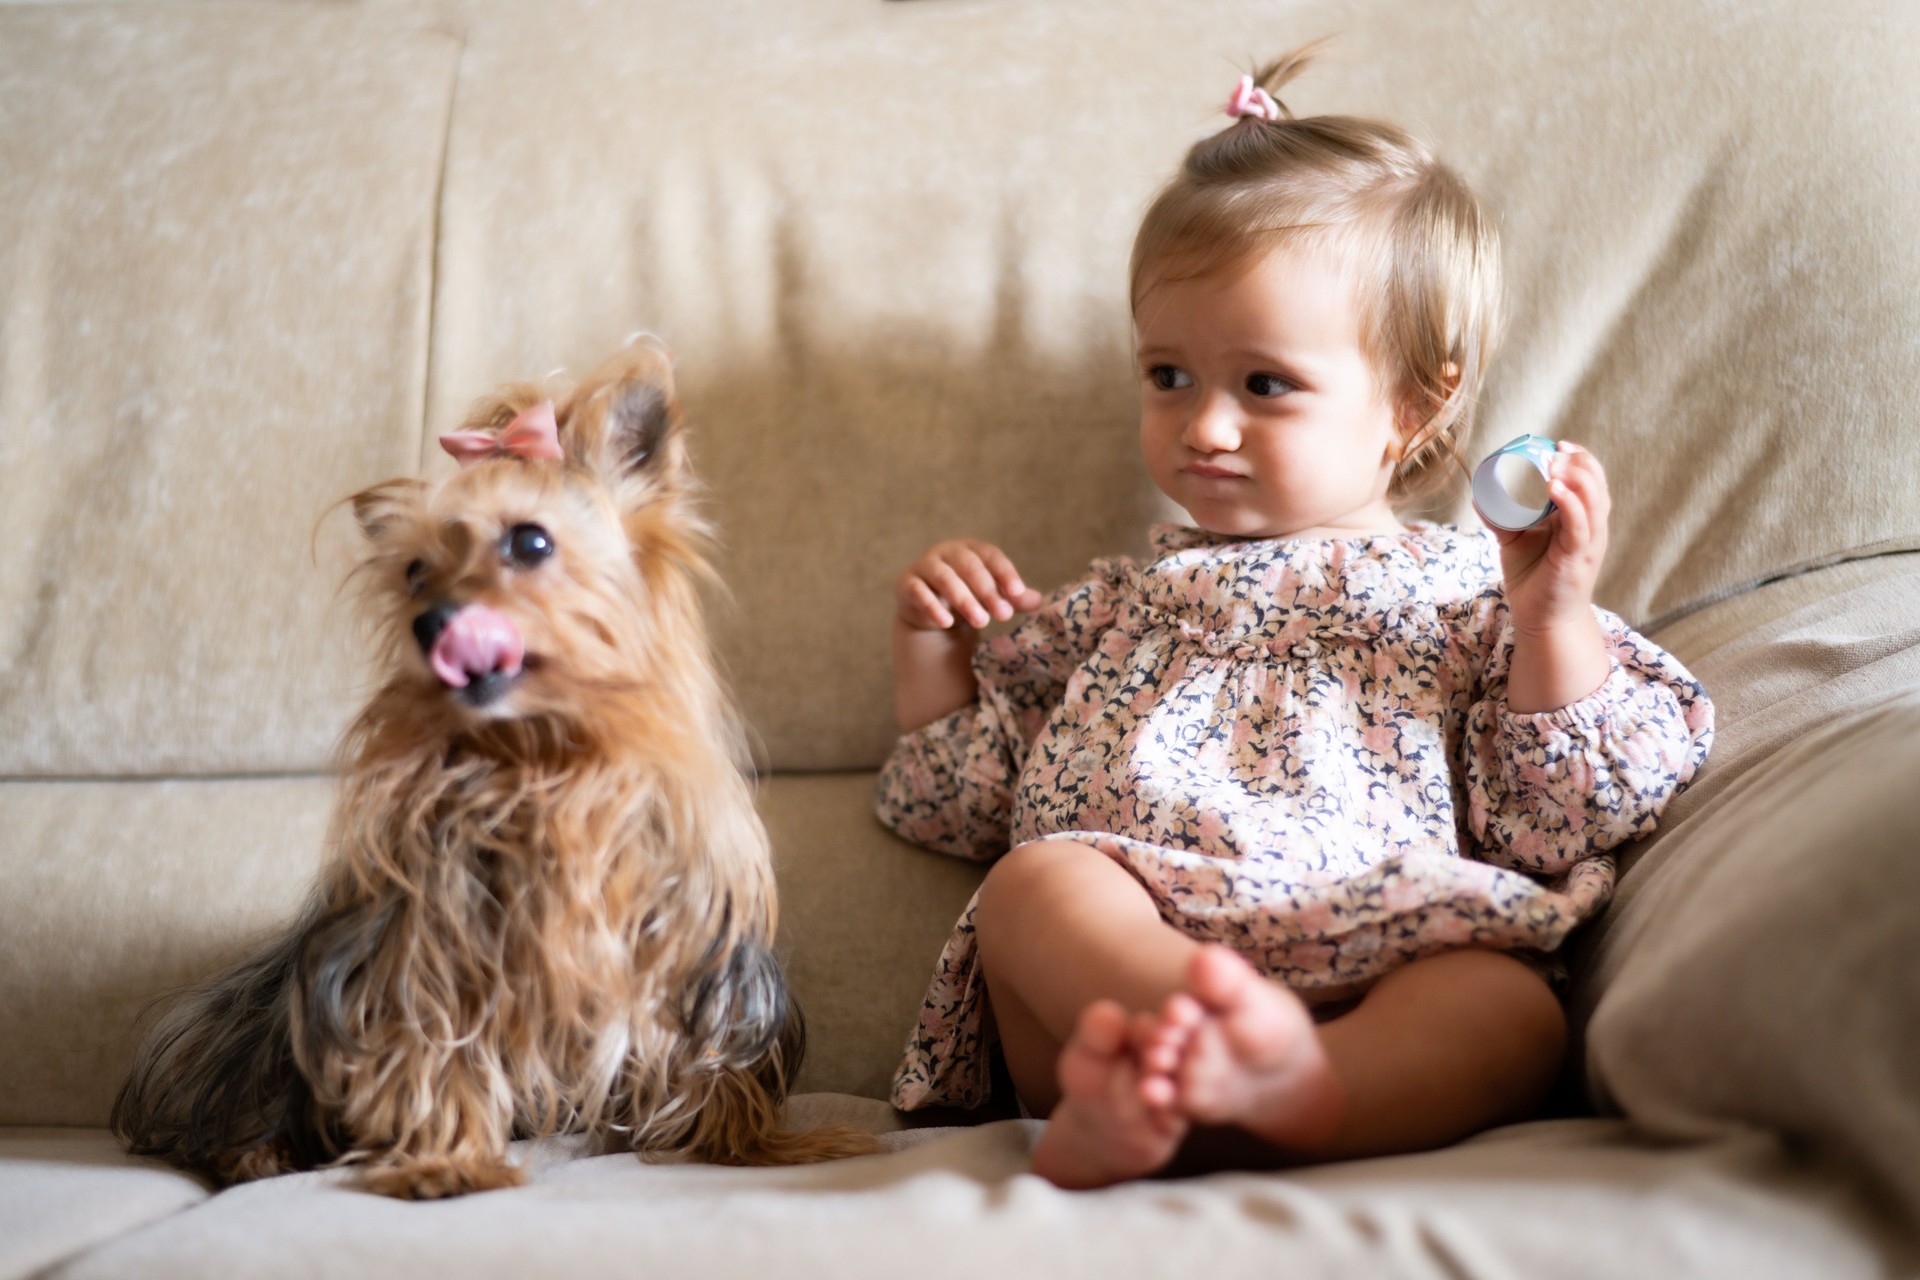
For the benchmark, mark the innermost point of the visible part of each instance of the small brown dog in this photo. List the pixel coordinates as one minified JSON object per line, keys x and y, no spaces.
{"x":550,"y":905}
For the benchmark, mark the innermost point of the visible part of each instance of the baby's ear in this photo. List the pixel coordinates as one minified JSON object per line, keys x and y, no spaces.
{"x":386,"y":507}
{"x":624,"y":421}
{"x":1422,"y":413}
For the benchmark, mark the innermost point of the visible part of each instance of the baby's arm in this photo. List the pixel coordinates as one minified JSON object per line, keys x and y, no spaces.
{"x":943,"y":598}
{"x":1559,"y":653}
{"x":1587,"y":729}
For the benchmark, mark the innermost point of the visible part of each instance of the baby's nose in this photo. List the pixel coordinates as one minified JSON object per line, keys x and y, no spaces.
{"x":1214,"y":426}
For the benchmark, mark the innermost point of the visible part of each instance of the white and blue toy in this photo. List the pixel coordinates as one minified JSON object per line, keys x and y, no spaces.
{"x":1510,"y":484}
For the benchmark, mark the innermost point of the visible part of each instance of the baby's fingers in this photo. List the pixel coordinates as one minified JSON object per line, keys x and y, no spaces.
{"x":1579,"y":489}
{"x":957,"y":589}
{"x":973,"y":561}
{"x":1018,"y":595}
{"x":1583,"y":475}
{"x":920,"y":607}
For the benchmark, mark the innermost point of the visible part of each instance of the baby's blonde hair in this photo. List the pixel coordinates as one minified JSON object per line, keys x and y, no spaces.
{"x":1422,"y":249}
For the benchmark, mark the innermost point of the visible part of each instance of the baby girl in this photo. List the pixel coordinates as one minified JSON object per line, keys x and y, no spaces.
{"x":1287,"y":820}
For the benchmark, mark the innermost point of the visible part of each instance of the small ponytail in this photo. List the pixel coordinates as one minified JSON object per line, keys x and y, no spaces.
{"x":1279,"y":73}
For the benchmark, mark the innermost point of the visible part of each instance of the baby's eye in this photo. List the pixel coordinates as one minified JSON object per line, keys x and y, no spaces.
{"x":527,"y":545}
{"x":1169,"y":378}
{"x":1268,"y":385}
{"x":416,"y":576}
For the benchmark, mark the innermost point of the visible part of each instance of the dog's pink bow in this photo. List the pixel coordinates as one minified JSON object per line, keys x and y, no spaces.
{"x":533,"y":434}
{"x":1249,"y":99}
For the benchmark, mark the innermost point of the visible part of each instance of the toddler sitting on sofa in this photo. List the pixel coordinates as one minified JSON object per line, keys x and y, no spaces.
{"x":1289,"y":819}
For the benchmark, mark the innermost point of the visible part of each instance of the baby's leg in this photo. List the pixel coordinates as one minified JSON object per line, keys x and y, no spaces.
{"x":1072,"y":947}
{"x":1437,"y":1050}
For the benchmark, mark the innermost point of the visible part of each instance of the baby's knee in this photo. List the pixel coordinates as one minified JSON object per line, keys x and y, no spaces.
{"x":1022,"y":882}
{"x":1501,"y":1000}
{"x":1521,"y":1006}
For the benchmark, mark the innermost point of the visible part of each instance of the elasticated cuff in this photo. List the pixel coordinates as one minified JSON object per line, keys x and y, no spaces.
{"x":1577,"y":717}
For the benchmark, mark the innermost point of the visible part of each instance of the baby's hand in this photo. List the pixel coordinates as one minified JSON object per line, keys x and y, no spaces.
{"x":961,"y":579}
{"x":1551,"y":568}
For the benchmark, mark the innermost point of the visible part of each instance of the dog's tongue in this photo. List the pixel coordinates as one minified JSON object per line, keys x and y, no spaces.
{"x":477,"y":642}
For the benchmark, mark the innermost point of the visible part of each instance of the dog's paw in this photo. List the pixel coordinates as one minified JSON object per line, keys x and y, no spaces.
{"x":437,"y":1177}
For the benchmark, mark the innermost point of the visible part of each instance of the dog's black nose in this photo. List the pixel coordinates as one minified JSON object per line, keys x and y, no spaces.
{"x":428,"y":626}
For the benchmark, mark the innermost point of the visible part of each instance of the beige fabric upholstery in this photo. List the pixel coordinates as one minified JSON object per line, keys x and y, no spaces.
{"x":1570,"y":1200}
{"x":119,"y":891}
{"x":63,"y":1191}
{"x":215,"y":243}
{"x":1773,"y":919}
{"x":1771,"y":982}
{"x":894,"y":274}
{"x":862,"y":919}
{"x":255,"y":255}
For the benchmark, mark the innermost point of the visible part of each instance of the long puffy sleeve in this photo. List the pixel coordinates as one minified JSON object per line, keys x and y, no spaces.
{"x":1548,"y":789}
{"x":948,"y":786}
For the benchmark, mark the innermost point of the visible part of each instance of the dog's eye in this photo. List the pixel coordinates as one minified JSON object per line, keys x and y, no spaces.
{"x":416,"y":576}
{"x":528,"y":544}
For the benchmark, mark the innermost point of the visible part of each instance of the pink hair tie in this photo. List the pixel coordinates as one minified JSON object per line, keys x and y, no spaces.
{"x":1250,"y":99}
{"x":533,"y":434}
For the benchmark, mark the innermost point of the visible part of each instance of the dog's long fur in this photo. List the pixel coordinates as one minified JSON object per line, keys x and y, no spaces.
{"x":553,"y":913}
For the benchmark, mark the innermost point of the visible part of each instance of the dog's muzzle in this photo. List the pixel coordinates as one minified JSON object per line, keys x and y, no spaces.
{"x":472,"y":648}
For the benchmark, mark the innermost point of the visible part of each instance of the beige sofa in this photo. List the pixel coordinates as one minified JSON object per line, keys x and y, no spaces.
{"x":254,"y":256}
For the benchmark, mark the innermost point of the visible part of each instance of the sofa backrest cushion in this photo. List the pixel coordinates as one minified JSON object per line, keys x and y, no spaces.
{"x":891,"y":252}
{"x":888,"y":242}
{"x":216,"y":240}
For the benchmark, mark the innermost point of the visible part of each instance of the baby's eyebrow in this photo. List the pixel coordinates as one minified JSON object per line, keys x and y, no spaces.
{"x":1278,"y":361}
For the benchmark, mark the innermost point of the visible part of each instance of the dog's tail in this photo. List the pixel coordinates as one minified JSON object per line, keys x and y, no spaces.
{"x":742,"y":1120}
{"x":741,"y":1117}
{"x":214,"y":1088}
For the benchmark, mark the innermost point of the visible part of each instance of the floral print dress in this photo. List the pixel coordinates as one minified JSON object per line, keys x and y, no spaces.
{"x":1300,"y":749}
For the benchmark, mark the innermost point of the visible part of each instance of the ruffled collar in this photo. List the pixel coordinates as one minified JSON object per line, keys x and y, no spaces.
{"x":1233,"y":590}
{"x":1422,"y":538}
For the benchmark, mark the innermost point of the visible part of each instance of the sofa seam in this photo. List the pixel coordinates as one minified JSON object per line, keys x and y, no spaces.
{"x":435,"y":245}
{"x":1884,"y":549}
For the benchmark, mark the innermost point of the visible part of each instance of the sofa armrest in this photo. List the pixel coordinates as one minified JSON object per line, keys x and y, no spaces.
{"x":1767,"y":974}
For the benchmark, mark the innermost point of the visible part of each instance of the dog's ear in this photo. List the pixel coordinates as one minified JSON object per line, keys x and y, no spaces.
{"x":642,"y":417}
{"x":624,"y":420}
{"x":385,"y":507}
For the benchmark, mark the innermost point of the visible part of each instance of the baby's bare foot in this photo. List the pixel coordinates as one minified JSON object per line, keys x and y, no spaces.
{"x":1103,"y":1130}
{"x":1160,"y":1045}
{"x":1254,"y":1058}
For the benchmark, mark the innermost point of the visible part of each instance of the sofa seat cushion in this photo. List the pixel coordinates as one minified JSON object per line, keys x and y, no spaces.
{"x":1570,"y":1199}
{"x":64,"y":1191}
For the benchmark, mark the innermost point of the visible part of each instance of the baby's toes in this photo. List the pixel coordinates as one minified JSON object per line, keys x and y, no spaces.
{"x":1208,"y":1075}
{"x":1086,"y":1064}
{"x":1156,"y":1046}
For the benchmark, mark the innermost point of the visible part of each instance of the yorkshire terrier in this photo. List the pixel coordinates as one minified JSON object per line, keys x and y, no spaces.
{"x":550,"y":903}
